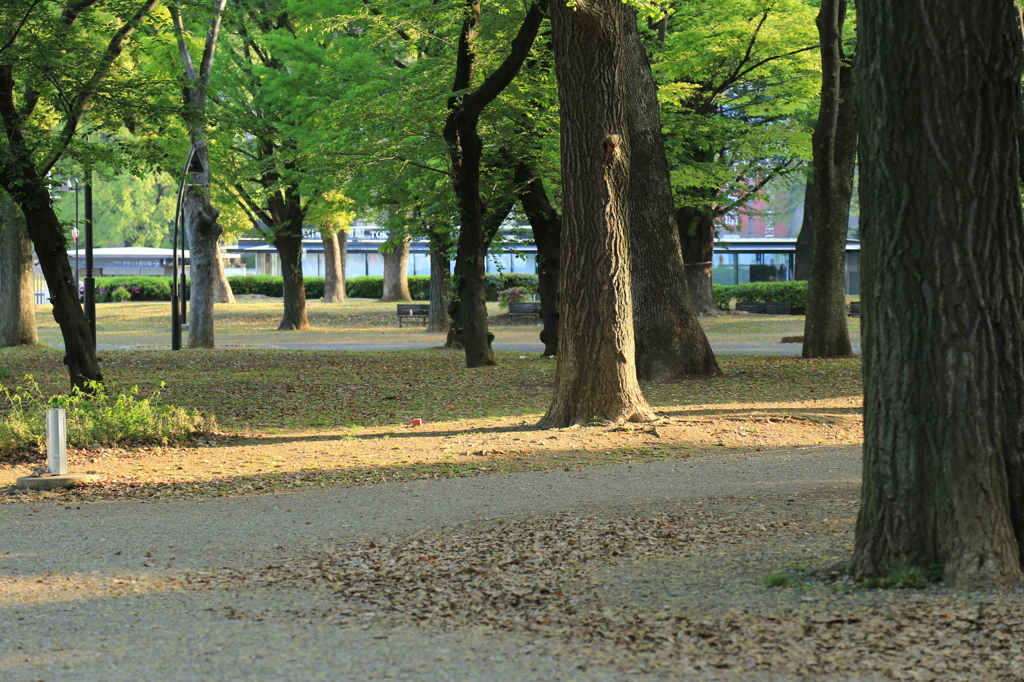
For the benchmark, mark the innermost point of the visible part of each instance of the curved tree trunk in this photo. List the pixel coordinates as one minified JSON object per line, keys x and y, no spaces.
{"x":440,"y":283}
{"x":222,"y":292}
{"x":943,"y":253}
{"x":805,"y":240}
{"x":396,"y":272}
{"x":547,"y":236}
{"x":826,"y":333}
{"x":17,"y":292}
{"x":697,"y":237}
{"x":334,"y":274}
{"x":596,"y":375}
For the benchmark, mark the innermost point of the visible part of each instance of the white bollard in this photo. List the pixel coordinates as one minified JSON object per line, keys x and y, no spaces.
{"x":57,"y":441}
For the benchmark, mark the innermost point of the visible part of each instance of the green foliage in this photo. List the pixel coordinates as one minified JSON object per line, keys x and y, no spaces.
{"x":120,"y":295}
{"x":139,"y":287}
{"x":779,"y":580}
{"x":93,"y":417}
{"x":373,"y":287}
{"x":793,"y":293}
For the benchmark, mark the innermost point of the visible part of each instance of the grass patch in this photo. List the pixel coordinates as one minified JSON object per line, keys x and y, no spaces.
{"x":906,"y":577}
{"x":779,"y":580}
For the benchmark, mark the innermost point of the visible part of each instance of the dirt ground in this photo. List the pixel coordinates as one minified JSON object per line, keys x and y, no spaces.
{"x":232,"y":464}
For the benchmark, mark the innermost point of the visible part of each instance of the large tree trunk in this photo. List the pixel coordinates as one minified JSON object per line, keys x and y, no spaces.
{"x":943,"y":289}
{"x":670,"y":343}
{"x":204,"y":251}
{"x":835,"y":154}
{"x":289,"y":247}
{"x":596,"y":375}
{"x":547,"y":236}
{"x":334,"y":268}
{"x":396,"y":272}
{"x":222,"y":292}
{"x":697,"y":239}
{"x":17,"y":292}
{"x":805,"y":240}
{"x":440,"y":283}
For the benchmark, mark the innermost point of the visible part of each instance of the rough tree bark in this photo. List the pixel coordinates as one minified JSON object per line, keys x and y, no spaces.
{"x":199,"y":215}
{"x":17,"y":293}
{"x":222,"y":292}
{"x":596,"y":374}
{"x":943,"y":254}
{"x":697,"y":234}
{"x":547,"y":236}
{"x":465,"y":150}
{"x":288,"y":242}
{"x":334,"y":267}
{"x":804,"y":240}
{"x":396,"y":271}
{"x":440,"y":281}
{"x":835,"y":154}
{"x":670,"y":343}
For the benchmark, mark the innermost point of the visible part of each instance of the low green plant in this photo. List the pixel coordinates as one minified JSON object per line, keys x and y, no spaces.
{"x":93,"y":416}
{"x":779,"y":580}
{"x":119,"y":295}
{"x":793,"y":293}
{"x":906,"y":576}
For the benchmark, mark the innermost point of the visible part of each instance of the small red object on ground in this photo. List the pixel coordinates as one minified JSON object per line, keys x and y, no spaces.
{"x":417,"y":422}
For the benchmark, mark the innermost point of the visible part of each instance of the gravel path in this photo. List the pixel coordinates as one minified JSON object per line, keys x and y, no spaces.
{"x":330,"y":583}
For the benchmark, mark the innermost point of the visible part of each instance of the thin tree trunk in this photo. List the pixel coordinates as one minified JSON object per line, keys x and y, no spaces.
{"x":596,"y":374}
{"x":697,"y":237}
{"x":334,"y":279}
{"x":547,"y":236}
{"x":465,"y":151}
{"x":826,"y":333}
{"x":440,"y":283}
{"x":17,"y":290}
{"x":222,"y":292}
{"x":396,"y":272}
{"x":805,"y":240}
{"x":943,"y":289}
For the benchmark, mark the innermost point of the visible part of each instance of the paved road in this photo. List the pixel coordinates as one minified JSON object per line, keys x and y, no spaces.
{"x":82,"y":597}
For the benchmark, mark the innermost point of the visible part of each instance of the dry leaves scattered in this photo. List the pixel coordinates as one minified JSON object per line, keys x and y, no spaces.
{"x":671,"y":592}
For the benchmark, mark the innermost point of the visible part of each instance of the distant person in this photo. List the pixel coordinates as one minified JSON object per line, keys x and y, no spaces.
{"x":782,"y":273}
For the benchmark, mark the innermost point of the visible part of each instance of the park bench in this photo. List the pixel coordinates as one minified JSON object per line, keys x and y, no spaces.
{"x":524,"y":308}
{"x":854,"y":309}
{"x":412,"y":311}
{"x":760,"y":308}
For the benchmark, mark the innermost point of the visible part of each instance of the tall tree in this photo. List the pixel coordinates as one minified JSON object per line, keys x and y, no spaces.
{"x":200,"y":216}
{"x":56,"y":62}
{"x":943,"y":255}
{"x":595,"y":53}
{"x":547,"y":236}
{"x":466,"y":152}
{"x":835,"y":155}
{"x":17,"y":293}
{"x":396,"y":268}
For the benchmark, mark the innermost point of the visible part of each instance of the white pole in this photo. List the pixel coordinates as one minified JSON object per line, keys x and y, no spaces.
{"x":56,"y":441}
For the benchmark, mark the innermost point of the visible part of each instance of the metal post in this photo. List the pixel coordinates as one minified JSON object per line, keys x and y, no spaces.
{"x":90,"y":283}
{"x":57,"y":441}
{"x":74,"y":234}
{"x":176,"y":295}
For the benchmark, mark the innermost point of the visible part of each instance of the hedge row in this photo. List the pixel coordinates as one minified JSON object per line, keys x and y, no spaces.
{"x":151,"y":288}
{"x":793,"y":293}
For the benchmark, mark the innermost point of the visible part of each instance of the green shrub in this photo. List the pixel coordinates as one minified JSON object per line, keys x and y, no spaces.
{"x":140,"y":287}
{"x":373,"y":287}
{"x":793,"y":293}
{"x":96,"y":417}
{"x":120,"y":295}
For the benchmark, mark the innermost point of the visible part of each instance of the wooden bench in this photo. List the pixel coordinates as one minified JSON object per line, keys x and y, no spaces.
{"x":413,"y":311}
{"x":524,"y":308}
{"x":764,"y":308}
{"x":853,"y":309}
